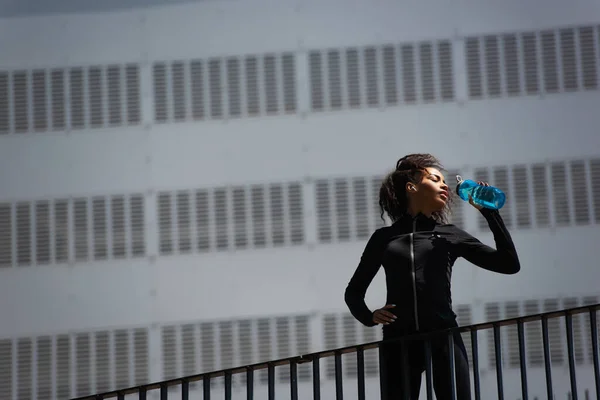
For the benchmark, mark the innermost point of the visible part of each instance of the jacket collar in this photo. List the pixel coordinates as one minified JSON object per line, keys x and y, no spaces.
{"x":419,"y":222}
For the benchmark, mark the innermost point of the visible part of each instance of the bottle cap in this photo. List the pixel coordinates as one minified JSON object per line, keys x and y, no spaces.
{"x":459,"y":180}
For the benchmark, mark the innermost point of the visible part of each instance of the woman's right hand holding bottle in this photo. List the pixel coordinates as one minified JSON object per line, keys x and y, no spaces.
{"x":382,"y":316}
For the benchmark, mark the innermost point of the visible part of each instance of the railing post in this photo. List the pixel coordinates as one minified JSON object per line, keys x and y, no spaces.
{"x":249,"y":383}
{"x":227,"y":385}
{"x":316,"y":378}
{"x":185,"y":390}
{"x":382,"y":373}
{"x":475,"y":356}
{"x":271,"y":379}
{"x":451,"y":357}
{"x":206,"y":387}
{"x":339,"y":388}
{"x":571,"y":354}
{"x":293,"y":380}
{"x":547,"y":363}
{"x":428,"y":370}
{"x":360,"y":369}
{"x":522,"y":360}
{"x":498,"y":352}
{"x":594,"y":337}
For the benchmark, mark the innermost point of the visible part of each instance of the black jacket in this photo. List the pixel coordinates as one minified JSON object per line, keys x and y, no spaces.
{"x":417,"y":255}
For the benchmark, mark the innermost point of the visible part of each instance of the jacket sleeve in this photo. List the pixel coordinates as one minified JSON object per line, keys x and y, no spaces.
{"x":369,"y":264}
{"x":503,"y":259}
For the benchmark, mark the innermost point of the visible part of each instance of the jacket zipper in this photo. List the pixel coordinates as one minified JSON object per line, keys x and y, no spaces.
{"x":414,"y":279}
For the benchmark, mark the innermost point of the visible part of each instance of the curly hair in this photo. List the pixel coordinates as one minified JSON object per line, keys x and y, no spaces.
{"x":393,"y":199}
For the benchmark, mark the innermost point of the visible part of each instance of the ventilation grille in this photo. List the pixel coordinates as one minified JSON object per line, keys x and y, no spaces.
{"x":346,"y":208}
{"x":72,"y":365}
{"x":72,"y":230}
{"x":381,"y":76}
{"x":225,"y":218}
{"x":194,"y":348}
{"x":75,"y":98}
{"x":561,"y":193}
{"x":533,"y":332}
{"x":224,"y":88}
{"x":532,"y":63}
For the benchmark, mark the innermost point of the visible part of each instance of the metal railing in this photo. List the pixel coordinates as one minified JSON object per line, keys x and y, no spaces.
{"x":315,"y":358}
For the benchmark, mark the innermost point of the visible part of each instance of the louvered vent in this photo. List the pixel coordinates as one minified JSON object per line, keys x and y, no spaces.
{"x":82,"y":364}
{"x":238,"y":218}
{"x":347,"y":208}
{"x":4,"y":103}
{"x":121,"y":356}
{"x":68,"y":99}
{"x":102,"y":348}
{"x":223,"y":88}
{"x":24,"y":368}
{"x":550,"y":61}
{"x":44,"y":230}
{"x":64,"y":367}
{"x":521,"y":196}
{"x":6,"y":233}
{"x":510,"y":46}
{"x":540,"y":195}
{"x":560,"y":194}
{"x":44,"y":367}
{"x":264,"y":346}
{"x":377,"y":76}
{"x":23,"y":224}
{"x":6,"y":369}
{"x":169,"y":352}
{"x":595,"y":186}
{"x":579,"y":190}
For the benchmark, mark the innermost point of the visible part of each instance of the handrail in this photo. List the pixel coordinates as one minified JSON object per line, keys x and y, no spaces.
{"x":312,"y":357}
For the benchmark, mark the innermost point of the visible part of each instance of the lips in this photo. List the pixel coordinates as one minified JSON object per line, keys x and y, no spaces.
{"x":444,"y":193}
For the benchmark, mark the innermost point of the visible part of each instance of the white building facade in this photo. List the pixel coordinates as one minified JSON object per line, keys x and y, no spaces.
{"x":189,"y":187}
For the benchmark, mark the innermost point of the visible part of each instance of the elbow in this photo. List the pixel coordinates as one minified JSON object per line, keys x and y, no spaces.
{"x":352,"y":296}
{"x":512,"y":265}
{"x":515,"y":268}
{"x":349,"y":296}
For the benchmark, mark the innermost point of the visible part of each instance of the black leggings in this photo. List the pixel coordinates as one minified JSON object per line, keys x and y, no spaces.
{"x":393,"y":378}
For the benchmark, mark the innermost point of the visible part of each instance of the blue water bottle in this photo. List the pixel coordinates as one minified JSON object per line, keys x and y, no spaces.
{"x":484,"y":196}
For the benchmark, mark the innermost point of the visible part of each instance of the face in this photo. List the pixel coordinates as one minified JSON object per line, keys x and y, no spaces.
{"x":432,"y":193}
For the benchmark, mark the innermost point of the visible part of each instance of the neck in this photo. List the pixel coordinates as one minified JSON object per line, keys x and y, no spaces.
{"x":414,"y":211}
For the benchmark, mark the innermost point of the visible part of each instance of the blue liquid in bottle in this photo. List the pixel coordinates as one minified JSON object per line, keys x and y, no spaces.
{"x":484,"y":196}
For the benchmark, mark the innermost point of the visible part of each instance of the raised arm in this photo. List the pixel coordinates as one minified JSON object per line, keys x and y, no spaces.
{"x":503,"y":259}
{"x":369,"y":264}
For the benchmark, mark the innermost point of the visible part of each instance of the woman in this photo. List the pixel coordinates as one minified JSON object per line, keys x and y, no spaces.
{"x":417,"y":253}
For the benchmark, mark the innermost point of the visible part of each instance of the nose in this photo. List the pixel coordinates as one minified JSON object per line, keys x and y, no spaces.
{"x":444,"y":186}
